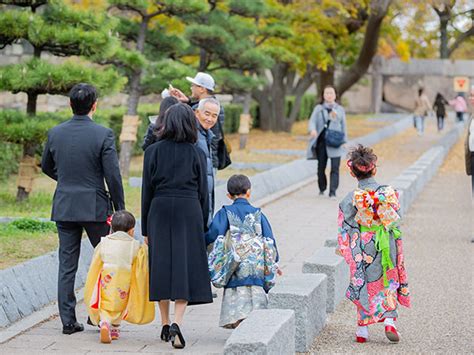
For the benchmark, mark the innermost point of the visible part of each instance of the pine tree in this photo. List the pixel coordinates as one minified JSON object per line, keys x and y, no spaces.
{"x":147,"y":58}
{"x":57,"y":29}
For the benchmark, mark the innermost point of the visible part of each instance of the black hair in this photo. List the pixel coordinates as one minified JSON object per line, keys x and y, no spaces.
{"x":361,"y":156}
{"x":420,"y":91}
{"x":82,"y":97}
{"x":328,"y":87}
{"x":122,"y":221}
{"x":238,"y":185}
{"x":179,"y":124}
{"x":164,"y":106}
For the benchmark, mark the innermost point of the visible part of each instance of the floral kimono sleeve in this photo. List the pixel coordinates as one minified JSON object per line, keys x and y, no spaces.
{"x":92,"y":287}
{"x":140,"y":310}
{"x":342,"y":235}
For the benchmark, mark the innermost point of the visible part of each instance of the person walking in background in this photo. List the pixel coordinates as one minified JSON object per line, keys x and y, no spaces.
{"x":439,"y":107}
{"x":469,"y":155}
{"x":246,"y":287}
{"x":175,"y":212}
{"x":371,"y":244}
{"x":460,"y":106}
{"x":151,"y":135}
{"x":328,"y":130}
{"x":422,"y":107}
{"x":80,"y":155}
{"x":203,"y":87}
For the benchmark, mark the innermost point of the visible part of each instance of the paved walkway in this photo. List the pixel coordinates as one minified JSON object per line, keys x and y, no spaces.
{"x":302,"y":221}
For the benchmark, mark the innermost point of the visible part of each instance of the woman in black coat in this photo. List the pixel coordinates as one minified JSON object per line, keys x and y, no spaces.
{"x":174,"y":214}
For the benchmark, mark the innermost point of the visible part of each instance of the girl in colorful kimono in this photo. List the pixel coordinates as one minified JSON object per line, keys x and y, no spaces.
{"x":117,"y":282}
{"x":250,"y":274}
{"x":371,"y":243}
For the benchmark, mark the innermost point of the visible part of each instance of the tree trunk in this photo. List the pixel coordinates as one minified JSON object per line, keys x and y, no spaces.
{"x":29,"y":150}
{"x":443,"y":39}
{"x":278,"y":93}
{"x":379,"y":9}
{"x":245,"y":121}
{"x":202,"y":60}
{"x":133,"y":101}
{"x":325,"y":78}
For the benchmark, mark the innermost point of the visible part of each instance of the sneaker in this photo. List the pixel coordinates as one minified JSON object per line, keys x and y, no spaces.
{"x":105,"y":336}
{"x":332,"y":195}
{"x":321,"y":193}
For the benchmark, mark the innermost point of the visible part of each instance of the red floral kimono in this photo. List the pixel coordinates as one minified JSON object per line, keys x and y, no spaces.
{"x":371,"y":243}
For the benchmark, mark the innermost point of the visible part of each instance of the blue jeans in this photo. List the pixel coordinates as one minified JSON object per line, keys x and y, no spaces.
{"x":420,"y":124}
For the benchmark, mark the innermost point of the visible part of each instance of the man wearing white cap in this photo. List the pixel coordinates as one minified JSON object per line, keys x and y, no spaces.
{"x":202,"y":87}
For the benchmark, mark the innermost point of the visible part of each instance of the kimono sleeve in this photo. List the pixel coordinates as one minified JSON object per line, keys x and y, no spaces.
{"x":92,"y":287}
{"x":140,"y":310}
{"x":342,"y":235}
{"x":267,"y":232}
{"x":219,"y":226}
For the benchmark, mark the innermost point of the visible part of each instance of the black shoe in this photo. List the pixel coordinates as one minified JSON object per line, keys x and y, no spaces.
{"x":321,"y":193}
{"x":165,"y":333}
{"x":332,"y":194}
{"x":177,"y":339}
{"x":72,"y":328}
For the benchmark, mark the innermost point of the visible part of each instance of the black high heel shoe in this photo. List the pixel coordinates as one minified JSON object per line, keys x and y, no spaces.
{"x":177,"y":339}
{"x":165,"y":333}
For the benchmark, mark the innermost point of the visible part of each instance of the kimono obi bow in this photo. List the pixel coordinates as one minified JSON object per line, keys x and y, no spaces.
{"x":377,"y":207}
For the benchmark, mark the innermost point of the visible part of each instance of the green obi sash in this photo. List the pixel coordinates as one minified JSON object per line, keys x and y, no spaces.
{"x":382,"y":244}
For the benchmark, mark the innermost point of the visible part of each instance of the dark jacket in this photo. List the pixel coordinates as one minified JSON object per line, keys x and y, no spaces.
{"x":149,"y":137}
{"x":79,"y":155}
{"x":204,"y":143}
{"x":439,"y":106}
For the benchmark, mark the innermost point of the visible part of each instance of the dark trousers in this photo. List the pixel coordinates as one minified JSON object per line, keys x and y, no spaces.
{"x":440,"y":123}
{"x":70,"y":235}
{"x":460,"y":116}
{"x":334,"y":175}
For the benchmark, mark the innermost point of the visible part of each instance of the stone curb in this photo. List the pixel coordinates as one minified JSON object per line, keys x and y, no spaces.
{"x":325,"y":261}
{"x":265,"y":331}
{"x":306,"y":295}
{"x":267,"y":186}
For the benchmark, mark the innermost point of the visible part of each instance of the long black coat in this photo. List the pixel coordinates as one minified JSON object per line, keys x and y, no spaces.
{"x":174,"y":214}
{"x":79,"y":155}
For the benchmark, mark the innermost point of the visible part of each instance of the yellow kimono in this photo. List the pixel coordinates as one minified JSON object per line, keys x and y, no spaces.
{"x":117,"y":283}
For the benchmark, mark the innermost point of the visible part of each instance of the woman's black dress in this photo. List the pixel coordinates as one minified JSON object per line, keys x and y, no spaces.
{"x":174,"y":196}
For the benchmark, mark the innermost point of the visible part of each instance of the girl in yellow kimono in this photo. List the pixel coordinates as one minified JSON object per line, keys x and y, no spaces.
{"x":117,"y":282}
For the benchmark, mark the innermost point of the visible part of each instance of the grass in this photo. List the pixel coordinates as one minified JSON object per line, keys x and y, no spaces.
{"x":18,"y":245}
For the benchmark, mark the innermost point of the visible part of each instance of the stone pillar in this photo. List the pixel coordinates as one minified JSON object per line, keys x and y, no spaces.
{"x":377,"y":84}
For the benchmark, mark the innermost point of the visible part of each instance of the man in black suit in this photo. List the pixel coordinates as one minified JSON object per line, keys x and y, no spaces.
{"x":79,"y":155}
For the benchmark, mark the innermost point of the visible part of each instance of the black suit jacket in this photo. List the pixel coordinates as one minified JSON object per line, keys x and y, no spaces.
{"x":79,"y":155}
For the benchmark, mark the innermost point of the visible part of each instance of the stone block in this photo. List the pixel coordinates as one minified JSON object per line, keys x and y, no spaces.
{"x":266,"y":332}
{"x":24,"y":282}
{"x":8,"y":304}
{"x":18,"y":294}
{"x":306,"y":295}
{"x":31,"y":273}
{"x":325,"y":261}
{"x":4,"y":322}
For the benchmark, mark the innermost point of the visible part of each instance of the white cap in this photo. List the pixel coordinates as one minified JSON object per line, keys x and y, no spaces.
{"x":202,"y":79}
{"x":165,"y":93}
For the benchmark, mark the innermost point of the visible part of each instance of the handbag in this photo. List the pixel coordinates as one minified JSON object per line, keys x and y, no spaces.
{"x":222,"y":261}
{"x":333,"y":138}
{"x":223,"y":152}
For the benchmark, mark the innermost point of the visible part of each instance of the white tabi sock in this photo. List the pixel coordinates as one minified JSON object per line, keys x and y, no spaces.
{"x":389,"y":321}
{"x":362,"y":331}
